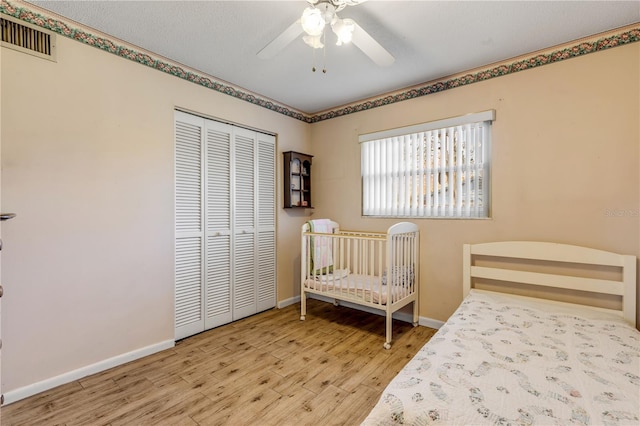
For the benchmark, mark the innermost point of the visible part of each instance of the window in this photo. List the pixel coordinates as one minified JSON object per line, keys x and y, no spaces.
{"x":436,"y":169}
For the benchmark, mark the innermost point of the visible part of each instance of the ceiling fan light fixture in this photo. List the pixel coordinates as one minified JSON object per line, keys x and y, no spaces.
{"x":337,"y":4}
{"x":343,"y":29}
{"x":329,"y":13}
{"x":312,"y":21}
{"x":313,"y":41}
{"x":318,"y":15}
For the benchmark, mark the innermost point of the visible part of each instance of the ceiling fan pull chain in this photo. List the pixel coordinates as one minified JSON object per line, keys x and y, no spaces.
{"x":313,"y":61}
{"x":324,"y":52}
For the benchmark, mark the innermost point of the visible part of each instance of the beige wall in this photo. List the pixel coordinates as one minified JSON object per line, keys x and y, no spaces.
{"x":565,"y":164}
{"x":87,"y":164}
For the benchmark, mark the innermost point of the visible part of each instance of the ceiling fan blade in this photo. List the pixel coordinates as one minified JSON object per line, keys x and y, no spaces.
{"x":282,"y":41}
{"x":371,"y":48}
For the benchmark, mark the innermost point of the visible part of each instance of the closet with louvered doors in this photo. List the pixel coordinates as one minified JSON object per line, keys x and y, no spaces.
{"x":225,"y":223}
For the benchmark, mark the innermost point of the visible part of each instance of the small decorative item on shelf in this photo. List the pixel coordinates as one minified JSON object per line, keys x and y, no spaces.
{"x":303,"y":203}
{"x":295,"y":198}
{"x":295,"y":166}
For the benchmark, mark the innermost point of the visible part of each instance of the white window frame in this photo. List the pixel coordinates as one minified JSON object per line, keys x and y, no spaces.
{"x":404,"y":173}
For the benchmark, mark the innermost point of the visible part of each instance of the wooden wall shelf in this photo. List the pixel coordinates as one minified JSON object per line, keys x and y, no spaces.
{"x":297,"y":180}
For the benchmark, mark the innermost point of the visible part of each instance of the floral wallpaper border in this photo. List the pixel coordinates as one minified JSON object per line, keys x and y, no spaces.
{"x":579,"y":49}
{"x":60,"y":27}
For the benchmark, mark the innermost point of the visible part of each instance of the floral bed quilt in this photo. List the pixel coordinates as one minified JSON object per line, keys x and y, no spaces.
{"x":502,"y":359}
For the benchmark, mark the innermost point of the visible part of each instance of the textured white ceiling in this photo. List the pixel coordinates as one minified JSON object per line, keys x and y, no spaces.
{"x":429,"y":39}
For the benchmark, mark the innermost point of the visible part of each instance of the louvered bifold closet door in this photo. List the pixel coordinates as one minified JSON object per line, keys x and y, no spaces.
{"x":266,"y":222}
{"x":244,"y":249}
{"x":225,"y":223}
{"x":189,"y":318}
{"x":218,"y":279}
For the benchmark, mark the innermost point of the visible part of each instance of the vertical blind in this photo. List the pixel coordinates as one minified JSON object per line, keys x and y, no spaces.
{"x":436,"y":169}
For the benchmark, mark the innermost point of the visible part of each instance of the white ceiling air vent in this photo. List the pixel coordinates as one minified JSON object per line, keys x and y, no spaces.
{"x":27,"y":38}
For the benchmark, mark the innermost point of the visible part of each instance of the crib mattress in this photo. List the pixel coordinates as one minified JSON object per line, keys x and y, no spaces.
{"x":502,"y":360}
{"x":366,"y":288}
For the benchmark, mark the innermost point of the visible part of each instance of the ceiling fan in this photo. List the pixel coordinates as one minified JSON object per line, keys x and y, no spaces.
{"x":320,"y":14}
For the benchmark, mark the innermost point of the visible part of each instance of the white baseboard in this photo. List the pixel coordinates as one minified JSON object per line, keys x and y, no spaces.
{"x":288,"y":302}
{"x":431,"y":323}
{"x":402,"y":316}
{"x":35,"y":388}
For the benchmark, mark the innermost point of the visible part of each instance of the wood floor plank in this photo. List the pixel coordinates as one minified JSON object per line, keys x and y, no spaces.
{"x":215,"y":361}
{"x":244,"y":364}
{"x":241,"y":406}
{"x":176,"y":411}
{"x":48,"y":399}
{"x":287,"y":409}
{"x":319,"y":410}
{"x":355,"y":406}
{"x":268,"y":369}
{"x":102,"y":406}
{"x":328,"y":371}
{"x":293,"y":380}
{"x":150,"y":362}
{"x":385,"y":371}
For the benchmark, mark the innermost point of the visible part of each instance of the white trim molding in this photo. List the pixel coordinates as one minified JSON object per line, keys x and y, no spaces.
{"x":288,"y":302}
{"x":70,"y":376}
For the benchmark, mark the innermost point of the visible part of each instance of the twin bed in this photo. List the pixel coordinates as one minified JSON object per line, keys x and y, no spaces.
{"x":503,"y":358}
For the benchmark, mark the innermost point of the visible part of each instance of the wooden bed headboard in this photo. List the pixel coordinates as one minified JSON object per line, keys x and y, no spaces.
{"x":558,"y":254}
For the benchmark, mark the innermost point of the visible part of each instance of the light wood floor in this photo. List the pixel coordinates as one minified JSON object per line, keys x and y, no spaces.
{"x":269,"y":369}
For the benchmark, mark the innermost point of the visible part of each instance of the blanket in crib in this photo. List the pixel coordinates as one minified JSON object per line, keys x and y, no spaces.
{"x":368,"y":288}
{"x":321,"y":250}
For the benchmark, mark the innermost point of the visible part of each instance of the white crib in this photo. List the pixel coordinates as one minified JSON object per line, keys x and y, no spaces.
{"x":373,"y":269}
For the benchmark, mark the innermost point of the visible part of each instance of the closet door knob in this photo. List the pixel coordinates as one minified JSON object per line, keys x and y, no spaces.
{"x":1,"y":291}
